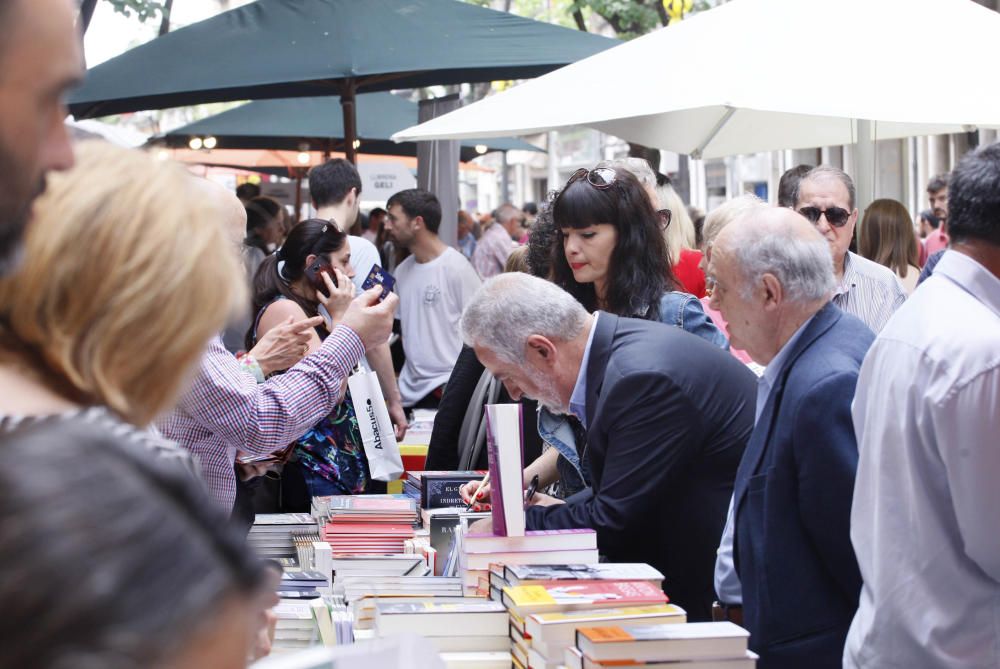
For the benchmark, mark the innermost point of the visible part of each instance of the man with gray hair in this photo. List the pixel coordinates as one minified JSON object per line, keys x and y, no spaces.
{"x":667,"y":417}
{"x":494,"y":247}
{"x":792,"y":497}
{"x":863,"y":288}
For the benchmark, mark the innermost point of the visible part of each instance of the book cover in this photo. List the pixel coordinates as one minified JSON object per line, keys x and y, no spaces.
{"x":692,"y":641}
{"x":528,"y":574}
{"x":504,"y":438}
{"x":475,"y":605}
{"x":483,"y":560}
{"x":532,"y":540}
{"x":561,"y":595}
{"x":443,"y":492}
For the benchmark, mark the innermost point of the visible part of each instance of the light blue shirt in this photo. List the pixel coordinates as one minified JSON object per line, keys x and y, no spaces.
{"x":578,"y":400}
{"x":924,"y":516}
{"x":727,"y":582}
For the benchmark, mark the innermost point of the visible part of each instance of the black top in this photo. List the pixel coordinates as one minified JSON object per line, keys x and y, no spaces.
{"x":442,"y":453}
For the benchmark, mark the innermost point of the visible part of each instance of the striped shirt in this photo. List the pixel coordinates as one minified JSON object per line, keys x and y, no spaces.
{"x":492,"y":251}
{"x":226,"y":411}
{"x":869,"y":291}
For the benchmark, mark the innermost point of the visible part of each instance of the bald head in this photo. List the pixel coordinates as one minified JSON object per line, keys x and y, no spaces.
{"x":232,"y":213}
{"x":782,"y":243}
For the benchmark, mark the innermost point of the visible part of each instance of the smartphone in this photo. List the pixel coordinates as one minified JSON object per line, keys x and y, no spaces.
{"x":315,"y":271}
{"x":379,"y":277}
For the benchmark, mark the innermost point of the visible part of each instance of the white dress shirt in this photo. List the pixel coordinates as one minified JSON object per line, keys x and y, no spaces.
{"x":925,"y":523}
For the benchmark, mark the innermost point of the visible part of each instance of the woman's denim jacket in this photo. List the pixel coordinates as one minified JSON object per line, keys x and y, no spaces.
{"x":681,"y":310}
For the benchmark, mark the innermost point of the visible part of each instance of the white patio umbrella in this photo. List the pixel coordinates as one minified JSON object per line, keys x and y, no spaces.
{"x":761,"y":75}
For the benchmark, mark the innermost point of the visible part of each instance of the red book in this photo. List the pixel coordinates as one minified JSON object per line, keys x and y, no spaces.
{"x":369,"y":528}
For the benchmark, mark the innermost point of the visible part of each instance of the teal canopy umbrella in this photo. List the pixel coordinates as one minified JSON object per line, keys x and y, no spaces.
{"x":299,"y":124}
{"x":305,"y":48}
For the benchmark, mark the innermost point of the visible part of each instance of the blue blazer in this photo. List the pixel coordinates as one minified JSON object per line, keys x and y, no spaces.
{"x":668,"y":417}
{"x":792,"y":501}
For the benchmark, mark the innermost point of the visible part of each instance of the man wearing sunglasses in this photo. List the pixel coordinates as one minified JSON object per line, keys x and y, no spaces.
{"x":863,"y":288}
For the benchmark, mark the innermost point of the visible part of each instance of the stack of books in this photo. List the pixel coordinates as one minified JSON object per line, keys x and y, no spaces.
{"x":299,"y":584}
{"x":363,"y":592}
{"x":438,"y":490}
{"x":542,"y":637}
{"x":368,"y":524}
{"x":470,"y":625}
{"x":543,"y":547}
{"x":401,"y":509}
{"x":565,"y":596}
{"x":721,"y":645}
{"x":344,"y":566}
{"x":296,"y":626}
{"x":420,"y":428}
{"x":272,"y":534}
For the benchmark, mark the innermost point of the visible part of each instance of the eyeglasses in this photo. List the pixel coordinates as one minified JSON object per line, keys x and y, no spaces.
{"x":835,"y":216}
{"x":599,"y":177}
{"x":665,"y":217}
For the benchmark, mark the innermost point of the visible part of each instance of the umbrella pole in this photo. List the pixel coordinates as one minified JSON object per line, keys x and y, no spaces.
{"x":350,"y":120}
{"x":864,"y":167}
{"x":298,"y":195}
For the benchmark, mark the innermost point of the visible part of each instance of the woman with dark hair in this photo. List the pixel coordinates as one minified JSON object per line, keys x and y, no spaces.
{"x":112,"y":559}
{"x":611,"y":254}
{"x":311,"y":275}
{"x":887,"y":238}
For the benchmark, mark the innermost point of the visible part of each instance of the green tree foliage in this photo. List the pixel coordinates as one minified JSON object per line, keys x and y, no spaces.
{"x":144,"y":10}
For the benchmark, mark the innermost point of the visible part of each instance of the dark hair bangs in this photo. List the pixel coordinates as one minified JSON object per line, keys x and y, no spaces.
{"x":580,"y":205}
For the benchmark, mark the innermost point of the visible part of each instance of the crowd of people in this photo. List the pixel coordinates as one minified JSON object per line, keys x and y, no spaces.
{"x":795,"y":423}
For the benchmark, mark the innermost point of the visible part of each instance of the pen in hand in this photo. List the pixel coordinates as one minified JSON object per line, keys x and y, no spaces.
{"x":530,"y":492}
{"x":475,"y":495}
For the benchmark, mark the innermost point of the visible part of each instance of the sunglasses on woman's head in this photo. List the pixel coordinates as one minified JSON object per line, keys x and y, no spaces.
{"x":835,"y":216}
{"x":665,"y":216}
{"x":599,"y":177}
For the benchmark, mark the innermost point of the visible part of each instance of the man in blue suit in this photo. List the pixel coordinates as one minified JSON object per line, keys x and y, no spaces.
{"x":792,"y":496}
{"x":667,"y":417}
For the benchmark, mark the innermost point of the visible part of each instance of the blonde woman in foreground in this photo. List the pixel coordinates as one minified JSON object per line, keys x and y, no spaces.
{"x":126,"y":274}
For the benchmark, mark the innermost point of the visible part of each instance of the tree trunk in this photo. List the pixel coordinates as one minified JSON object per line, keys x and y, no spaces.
{"x":165,"y":21}
{"x":86,"y":13}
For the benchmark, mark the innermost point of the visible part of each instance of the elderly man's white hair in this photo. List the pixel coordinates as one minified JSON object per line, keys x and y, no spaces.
{"x":511,"y":307}
{"x":639,"y":167}
{"x":726,"y":213}
{"x":779,"y":241}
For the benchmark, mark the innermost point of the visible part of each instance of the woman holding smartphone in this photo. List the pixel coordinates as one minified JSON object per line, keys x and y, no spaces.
{"x":311,"y":275}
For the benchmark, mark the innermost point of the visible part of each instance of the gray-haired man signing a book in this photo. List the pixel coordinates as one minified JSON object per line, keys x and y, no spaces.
{"x":667,"y":418}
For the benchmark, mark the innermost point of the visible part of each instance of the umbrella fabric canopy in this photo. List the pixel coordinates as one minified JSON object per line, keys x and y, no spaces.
{"x":288,"y":123}
{"x":293,"y":48}
{"x":760,"y":75}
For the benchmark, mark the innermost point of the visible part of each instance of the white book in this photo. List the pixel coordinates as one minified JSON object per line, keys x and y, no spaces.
{"x":495,"y":660}
{"x":658,"y":643}
{"x":504,"y":439}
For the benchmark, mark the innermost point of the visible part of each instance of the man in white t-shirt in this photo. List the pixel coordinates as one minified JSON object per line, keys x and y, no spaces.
{"x":335,"y":189}
{"x":434,"y":285}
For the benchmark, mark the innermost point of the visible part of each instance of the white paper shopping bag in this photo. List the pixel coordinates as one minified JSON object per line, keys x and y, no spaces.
{"x":377,"y":434}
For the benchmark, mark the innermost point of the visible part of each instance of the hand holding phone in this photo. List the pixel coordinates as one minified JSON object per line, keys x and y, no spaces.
{"x":314,"y":274}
